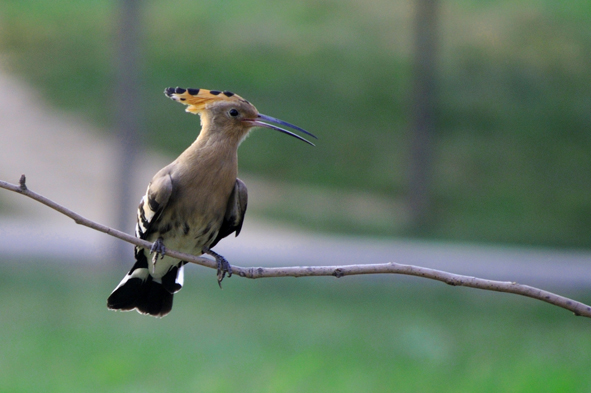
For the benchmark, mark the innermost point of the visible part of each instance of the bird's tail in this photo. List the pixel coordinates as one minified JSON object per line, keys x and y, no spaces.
{"x":140,"y":291}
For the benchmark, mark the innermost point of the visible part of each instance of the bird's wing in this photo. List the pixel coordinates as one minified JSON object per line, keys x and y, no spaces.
{"x":235,"y":212}
{"x":153,"y":203}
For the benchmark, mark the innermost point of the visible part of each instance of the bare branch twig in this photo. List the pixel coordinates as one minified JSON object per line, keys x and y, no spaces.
{"x":576,"y":307}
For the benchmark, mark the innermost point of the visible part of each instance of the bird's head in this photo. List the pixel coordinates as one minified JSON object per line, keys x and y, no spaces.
{"x":226,"y":112}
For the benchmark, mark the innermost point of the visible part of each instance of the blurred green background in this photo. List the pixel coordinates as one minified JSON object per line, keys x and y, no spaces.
{"x":510,"y":165}
{"x":512,"y":144}
{"x":284,"y":335}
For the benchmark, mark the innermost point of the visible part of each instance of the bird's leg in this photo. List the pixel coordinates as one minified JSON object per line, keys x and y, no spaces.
{"x":157,"y":249}
{"x":223,"y":265}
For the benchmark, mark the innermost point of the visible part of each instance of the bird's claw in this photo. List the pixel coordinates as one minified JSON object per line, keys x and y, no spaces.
{"x":223,"y":268}
{"x":158,"y":249}
{"x":223,"y":265}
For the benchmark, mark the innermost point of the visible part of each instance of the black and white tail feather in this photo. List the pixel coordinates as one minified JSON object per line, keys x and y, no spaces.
{"x":140,"y":290}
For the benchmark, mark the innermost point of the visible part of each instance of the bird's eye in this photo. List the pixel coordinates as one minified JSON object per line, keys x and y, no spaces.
{"x":233,"y":112}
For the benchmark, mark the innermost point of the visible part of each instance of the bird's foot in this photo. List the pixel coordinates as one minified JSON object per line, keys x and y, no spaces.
{"x":158,"y":249}
{"x":223,"y":265}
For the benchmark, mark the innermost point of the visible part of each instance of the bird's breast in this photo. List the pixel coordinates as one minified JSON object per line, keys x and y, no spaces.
{"x":195,"y":214}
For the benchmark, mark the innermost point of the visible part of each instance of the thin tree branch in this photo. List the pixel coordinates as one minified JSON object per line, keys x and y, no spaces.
{"x":576,"y":307}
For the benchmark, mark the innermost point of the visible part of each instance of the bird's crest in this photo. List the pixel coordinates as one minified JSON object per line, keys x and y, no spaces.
{"x":197,"y":99}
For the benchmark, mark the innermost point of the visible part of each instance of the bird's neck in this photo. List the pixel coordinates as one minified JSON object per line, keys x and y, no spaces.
{"x":212,"y":150}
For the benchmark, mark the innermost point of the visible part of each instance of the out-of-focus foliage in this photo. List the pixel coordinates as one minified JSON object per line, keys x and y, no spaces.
{"x":512,"y":152}
{"x":283,"y":335}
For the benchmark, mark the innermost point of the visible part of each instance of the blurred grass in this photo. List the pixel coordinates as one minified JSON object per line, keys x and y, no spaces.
{"x":513,"y":141}
{"x":283,"y":335}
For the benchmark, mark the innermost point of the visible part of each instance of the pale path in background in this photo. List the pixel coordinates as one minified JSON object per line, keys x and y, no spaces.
{"x":73,"y":163}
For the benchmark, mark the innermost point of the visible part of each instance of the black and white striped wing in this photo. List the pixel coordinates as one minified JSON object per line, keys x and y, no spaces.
{"x":152,"y":205}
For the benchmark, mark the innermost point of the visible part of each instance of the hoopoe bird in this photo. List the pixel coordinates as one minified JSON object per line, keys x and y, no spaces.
{"x":194,"y":202}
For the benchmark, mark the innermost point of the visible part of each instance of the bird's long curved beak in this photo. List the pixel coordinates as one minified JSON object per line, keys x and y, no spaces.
{"x":260,"y":122}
